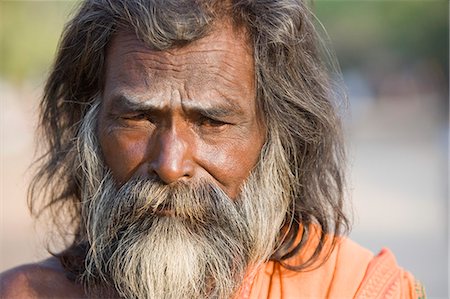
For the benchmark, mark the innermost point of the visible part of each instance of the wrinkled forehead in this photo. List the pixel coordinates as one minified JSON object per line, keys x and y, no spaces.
{"x":224,"y":52}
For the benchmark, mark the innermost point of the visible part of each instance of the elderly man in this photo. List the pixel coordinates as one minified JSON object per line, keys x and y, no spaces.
{"x":194,"y":151}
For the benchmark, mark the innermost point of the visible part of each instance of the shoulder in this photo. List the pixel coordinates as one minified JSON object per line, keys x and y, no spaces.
{"x":40,"y":280}
{"x":339,"y":276}
{"x":358,"y":273}
{"x":346,"y":268}
{"x":351,"y":271}
{"x":384,"y":278}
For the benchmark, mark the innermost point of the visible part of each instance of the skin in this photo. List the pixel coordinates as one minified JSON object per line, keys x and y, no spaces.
{"x":183,"y":114}
{"x":40,"y":280}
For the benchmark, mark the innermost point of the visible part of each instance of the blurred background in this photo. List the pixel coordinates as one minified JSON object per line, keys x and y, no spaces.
{"x":394,"y":59}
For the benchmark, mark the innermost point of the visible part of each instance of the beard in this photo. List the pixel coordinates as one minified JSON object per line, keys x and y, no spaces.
{"x":184,"y":240}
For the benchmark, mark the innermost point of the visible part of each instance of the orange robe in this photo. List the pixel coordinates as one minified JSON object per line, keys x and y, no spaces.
{"x":350,"y":272}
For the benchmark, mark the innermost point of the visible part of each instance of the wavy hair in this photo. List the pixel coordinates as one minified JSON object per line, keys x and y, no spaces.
{"x":295,"y":97}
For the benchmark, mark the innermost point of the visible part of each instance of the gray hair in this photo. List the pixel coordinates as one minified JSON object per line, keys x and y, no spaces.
{"x":294,"y":99}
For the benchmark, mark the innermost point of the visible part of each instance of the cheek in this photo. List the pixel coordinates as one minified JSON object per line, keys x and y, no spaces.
{"x":231,"y":163}
{"x":124,"y":153}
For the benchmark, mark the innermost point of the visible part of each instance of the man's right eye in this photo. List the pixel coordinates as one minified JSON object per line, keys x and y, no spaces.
{"x":140,"y":116}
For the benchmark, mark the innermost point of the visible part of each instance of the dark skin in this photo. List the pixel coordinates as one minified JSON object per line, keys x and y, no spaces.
{"x":184,"y":114}
{"x":40,"y":280}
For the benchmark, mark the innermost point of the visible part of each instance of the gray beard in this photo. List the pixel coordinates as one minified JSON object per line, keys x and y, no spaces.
{"x":187,"y":240}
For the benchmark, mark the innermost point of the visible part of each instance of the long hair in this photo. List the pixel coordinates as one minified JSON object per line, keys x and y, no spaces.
{"x":295,"y":98}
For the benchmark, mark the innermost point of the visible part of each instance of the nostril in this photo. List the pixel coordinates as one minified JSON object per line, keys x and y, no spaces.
{"x":154,"y":177}
{"x":152,"y":172}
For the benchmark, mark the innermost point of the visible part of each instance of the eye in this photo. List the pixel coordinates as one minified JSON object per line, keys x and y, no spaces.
{"x":138,"y":119}
{"x":138,"y":116}
{"x":210,"y":122}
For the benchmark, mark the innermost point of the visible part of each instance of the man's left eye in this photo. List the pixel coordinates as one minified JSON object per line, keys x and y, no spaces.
{"x":209,"y":122}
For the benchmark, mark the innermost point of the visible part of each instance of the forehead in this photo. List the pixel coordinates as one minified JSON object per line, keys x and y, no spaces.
{"x":218,"y":65}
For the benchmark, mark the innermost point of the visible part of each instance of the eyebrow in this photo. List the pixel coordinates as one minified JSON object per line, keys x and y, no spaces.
{"x":214,"y":110}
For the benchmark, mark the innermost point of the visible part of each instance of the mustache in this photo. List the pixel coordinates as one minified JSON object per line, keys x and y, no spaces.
{"x":142,"y":200}
{"x":184,"y":200}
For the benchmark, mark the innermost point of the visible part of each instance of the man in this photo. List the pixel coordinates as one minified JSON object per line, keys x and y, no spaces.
{"x":194,"y":151}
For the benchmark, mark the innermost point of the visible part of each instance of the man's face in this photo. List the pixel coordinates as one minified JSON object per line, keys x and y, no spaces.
{"x":178,"y":130}
{"x":182,"y":114}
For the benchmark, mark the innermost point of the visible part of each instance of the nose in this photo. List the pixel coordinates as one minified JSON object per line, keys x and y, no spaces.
{"x":171,"y":157}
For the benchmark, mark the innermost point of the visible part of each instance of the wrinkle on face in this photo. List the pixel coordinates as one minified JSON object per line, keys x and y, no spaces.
{"x":201,"y":96}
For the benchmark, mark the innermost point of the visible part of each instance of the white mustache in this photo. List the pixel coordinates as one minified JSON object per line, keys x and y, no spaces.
{"x":143,"y":199}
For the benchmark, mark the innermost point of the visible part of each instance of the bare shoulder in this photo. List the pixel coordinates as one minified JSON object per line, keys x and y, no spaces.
{"x":40,"y":280}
